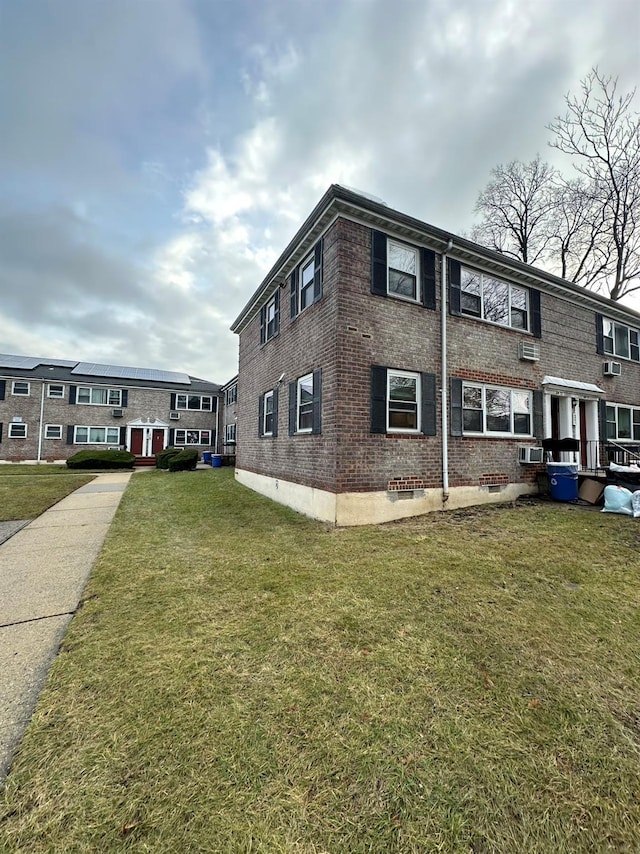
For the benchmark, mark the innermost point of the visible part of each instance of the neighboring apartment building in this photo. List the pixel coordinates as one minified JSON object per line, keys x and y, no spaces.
{"x":229,"y":425}
{"x":52,"y":408}
{"x":388,"y":368}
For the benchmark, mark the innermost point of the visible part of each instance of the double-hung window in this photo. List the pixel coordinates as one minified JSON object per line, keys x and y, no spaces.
{"x":620,"y":340}
{"x":96,"y":436}
{"x":230,"y":434}
{"x":55,"y":390}
{"x":99,"y":396}
{"x":305,"y":396}
{"x":622,"y":422}
{"x":231,"y":394}
{"x":490,"y":299}
{"x":198,"y":402}
{"x":403,"y":270}
{"x":20,"y":388}
{"x":17,"y":430}
{"x":270,"y":318}
{"x":403,"y":402}
{"x":493,"y":410}
{"x":268,"y":414}
{"x":306,"y":281}
{"x":304,"y":405}
{"x":53,"y":431}
{"x":192,"y":437}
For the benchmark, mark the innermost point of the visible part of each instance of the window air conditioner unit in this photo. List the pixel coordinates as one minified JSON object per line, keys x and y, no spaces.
{"x":528,"y":351}
{"x":117,"y":413}
{"x":612,"y":369}
{"x":174,"y":416}
{"x":527,"y":454}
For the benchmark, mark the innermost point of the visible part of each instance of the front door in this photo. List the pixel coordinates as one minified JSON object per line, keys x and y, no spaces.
{"x":137,"y":435}
{"x":157,"y":442}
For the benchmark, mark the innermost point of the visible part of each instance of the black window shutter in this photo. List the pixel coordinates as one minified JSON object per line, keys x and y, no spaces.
{"x":123,"y":436}
{"x":70,"y":434}
{"x":276,"y":322}
{"x":317,"y":271}
{"x":72,"y":393}
{"x":454,"y":271}
{"x":428,"y":278}
{"x":294,"y":292}
{"x":292,"y":407}
{"x":379,"y":263}
{"x":260,"y":415}
{"x":0,"y":431}
{"x":536,"y":318}
{"x":263,"y":324}
{"x":429,"y":407}
{"x":600,"y":334}
{"x":538,"y":415}
{"x":125,"y":397}
{"x":3,"y":388}
{"x":378,"y":399}
{"x":172,"y":405}
{"x":456,"y":406}
{"x":317,"y":402}
{"x":172,"y":436}
{"x":275,"y":412}
{"x":602,"y":413}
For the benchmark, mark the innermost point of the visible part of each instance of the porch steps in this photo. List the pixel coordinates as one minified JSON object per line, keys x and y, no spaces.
{"x":145,"y":461}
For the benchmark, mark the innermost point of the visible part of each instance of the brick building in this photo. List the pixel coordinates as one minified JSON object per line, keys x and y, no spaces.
{"x":52,"y":408}
{"x":228,"y":426}
{"x":388,"y":368}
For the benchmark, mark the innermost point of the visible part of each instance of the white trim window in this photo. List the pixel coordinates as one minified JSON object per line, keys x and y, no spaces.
{"x":271,"y":321}
{"x":496,"y":411}
{"x":55,"y":390}
{"x":194,"y":402}
{"x":403,"y":402}
{"x":192,"y":437}
{"x":21,"y":388}
{"x":231,"y":394}
{"x":498,"y":302}
{"x":620,"y":340}
{"x":267,"y":414}
{"x":304,"y":404}
{"x":230,"y":434}
{"x":305,"y":283}
{"x":96,"y":436}
{"x":53,"y":431}
{"x":622,"y":422}
{"x":403,"y":271}
{"x":90,"y":396}
{"x":18,"y":430}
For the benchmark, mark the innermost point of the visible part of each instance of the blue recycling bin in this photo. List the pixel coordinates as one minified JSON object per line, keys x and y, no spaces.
{"x":563,"y":481}
{"x":216,"y":460}
{"x":206,"y":457}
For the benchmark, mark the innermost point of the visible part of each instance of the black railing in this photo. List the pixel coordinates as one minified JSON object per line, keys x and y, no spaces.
{"x":595,"y":457}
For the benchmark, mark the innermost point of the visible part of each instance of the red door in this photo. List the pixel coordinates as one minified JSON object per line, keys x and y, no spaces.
{"x":157,"y":442}
{"x":136,"y":441}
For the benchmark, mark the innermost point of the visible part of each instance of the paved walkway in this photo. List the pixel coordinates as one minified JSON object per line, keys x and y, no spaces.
{"x":44,"y":567}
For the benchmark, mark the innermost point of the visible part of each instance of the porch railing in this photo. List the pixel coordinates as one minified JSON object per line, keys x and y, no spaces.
{"x":594,"y":456}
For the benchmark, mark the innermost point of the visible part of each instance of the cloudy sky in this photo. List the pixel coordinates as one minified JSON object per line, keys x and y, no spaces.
{"x":157,"y":155}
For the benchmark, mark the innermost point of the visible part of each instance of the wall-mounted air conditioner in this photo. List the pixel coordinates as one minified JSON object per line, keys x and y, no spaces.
{"x":527,"y":454}
{"x":612,"y":369}
{"x":174,"y":416}
{"x":528,"y":351}
{"x":117,"y":413}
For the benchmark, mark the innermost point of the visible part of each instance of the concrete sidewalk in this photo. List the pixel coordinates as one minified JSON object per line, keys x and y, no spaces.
{"x":44,"y":568}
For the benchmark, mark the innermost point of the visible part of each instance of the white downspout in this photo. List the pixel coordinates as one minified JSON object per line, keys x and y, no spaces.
{"x":41,"y":425}
{"x":444,"y":373}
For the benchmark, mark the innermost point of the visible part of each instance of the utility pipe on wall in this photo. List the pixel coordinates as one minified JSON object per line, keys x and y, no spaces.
{"x":41,"y":425}
{"x":444,"y":379}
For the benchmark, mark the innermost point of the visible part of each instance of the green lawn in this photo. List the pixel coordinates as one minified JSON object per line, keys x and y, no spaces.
{"x":242,"y":679}
{"x":27,"y":491}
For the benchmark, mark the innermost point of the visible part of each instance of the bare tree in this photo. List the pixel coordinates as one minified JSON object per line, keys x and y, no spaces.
{"x":580,"y":250}
{"x":602,"y":134}
{"x":517,"y":208}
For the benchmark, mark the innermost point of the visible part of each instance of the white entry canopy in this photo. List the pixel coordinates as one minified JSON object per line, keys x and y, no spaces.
{"x":571,"y":386}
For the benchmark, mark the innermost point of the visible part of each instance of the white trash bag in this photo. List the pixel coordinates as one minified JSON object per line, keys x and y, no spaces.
{"x":635,"y":504}
{"x":617,"y":499}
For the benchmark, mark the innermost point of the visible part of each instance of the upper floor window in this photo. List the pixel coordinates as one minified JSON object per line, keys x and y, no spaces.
{"x":270,"y":318}
{"x":194,"y":401}
{"x":622,"y":422}
{"x":96,"y":435}
{"x":17,"y":430}
{"x":620,"y":340}
{"x":403,"y":270}
{"x":499,"y":302}
{"x":230,"y":434}
{"x":496,"y":410}
{"x":20,"y":388}
{"x":231,"y":394}
{"x":54,"y":390}
{"x":99,"y":396}
{"x":306,"y":281}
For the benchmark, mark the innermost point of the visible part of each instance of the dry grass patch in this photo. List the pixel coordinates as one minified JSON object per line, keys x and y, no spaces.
{"x":243,"y":679}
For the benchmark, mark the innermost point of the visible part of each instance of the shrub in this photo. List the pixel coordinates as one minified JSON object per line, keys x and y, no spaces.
{"x":163,"y":457}
{"x":184,"y":461}
{"x":94,"y":459}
